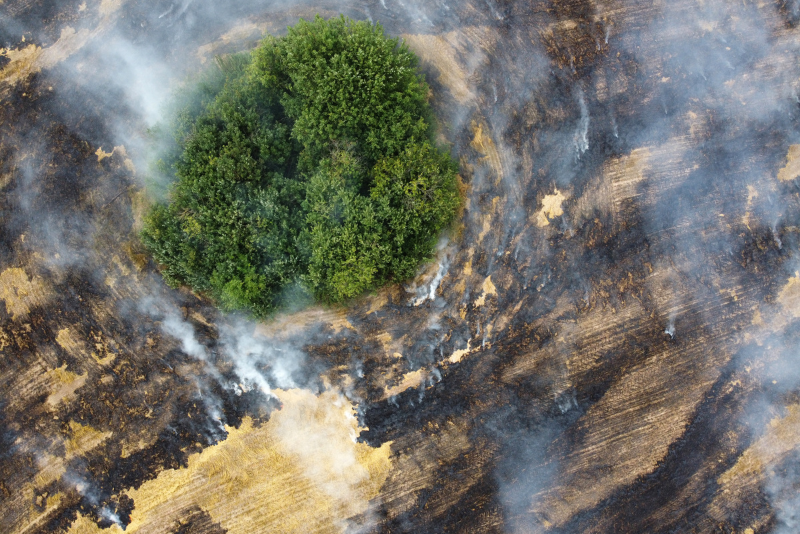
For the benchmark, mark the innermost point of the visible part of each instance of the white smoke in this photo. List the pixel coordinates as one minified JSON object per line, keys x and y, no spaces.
{"x":783,"y":488}
{"x":581,"y":135}
{"x":91,"y":493}
{"x":259,"y":360}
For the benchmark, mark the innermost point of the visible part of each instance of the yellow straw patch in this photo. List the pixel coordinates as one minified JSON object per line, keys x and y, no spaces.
{"x":302,"y":471}
{"x":551,"y":208}
{"x":21,"y":293}
{"x":792,"y":168}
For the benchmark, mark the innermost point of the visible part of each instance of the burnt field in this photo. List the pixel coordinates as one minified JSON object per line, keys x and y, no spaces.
{"x":610,"y":344}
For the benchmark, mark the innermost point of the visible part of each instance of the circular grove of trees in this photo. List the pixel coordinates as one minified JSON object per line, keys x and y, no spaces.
{"x":304,"y":167}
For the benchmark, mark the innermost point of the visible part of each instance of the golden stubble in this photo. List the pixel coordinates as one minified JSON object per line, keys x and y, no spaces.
{"x":77,"y":441}
{"x":410,"y":380}
{"x":551,"y":208}
{"x":22,"y":63}
{"x":445,"y":53}
{"x":302,"y":471}
{"x":630,"y":429}
{"x":30,"y":59}
{"x":792,"y":168}
{"x":782,"y":435}
{"x":625,"y":174}
{"x":483,"y":143}
{"x":284,"y":326}
{"x":237,"y":34}
{"x":789,"y":296}
{"x":756,"y":464}
{"x":65,"y":384}
{"x":21,"y":293}
{"x":488,"y":289}
{"x":109,"y":7}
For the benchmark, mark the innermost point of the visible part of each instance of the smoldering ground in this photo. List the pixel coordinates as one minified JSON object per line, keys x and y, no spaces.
{"x":621,"y":166}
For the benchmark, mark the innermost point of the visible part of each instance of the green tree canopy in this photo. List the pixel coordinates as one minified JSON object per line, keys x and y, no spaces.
{"x":309,"y":163}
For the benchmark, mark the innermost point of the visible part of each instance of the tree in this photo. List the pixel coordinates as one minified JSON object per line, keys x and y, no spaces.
{"x":346,"y":81}
{"x":306,"y":162}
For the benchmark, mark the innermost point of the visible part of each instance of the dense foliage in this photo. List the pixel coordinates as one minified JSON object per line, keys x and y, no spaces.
{"x":307,"y":164}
